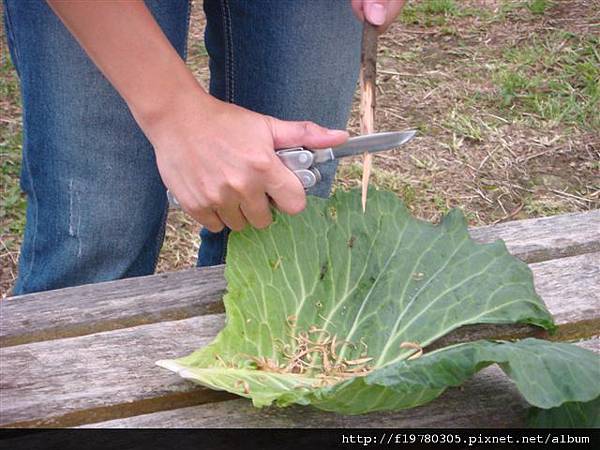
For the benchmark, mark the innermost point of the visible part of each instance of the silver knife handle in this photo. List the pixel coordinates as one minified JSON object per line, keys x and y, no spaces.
{"x":300,"y":160}
{"x":173,"y":203}
{"x":308,"y":177}
{"x":297,"y":158}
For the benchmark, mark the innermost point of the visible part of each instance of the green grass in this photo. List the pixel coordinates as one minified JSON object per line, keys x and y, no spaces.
{"x":555,"y":79}
{"x":12,"y":206}
{"x":517,"y":10}
{"x":9,"y":86}
{"x":429,"y":12}
{"x":538,"y":6}
{"x":351,"y":174}
{"x":198,"y":48}
{"x":466,"y":125}
{"x":542,"y":207}
{"x":446,"y":7}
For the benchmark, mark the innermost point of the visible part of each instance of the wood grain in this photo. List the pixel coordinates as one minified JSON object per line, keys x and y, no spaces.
{"x":108,"y":375}
{"x":105,"y":375}
{"x":135,"y":301}
{"x":545,"y":238}
{"x":368,"y":78}
{"x":468,"y":406}
{"x":112,"y":305}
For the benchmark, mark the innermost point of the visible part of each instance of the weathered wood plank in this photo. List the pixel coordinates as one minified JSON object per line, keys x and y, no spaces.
{"x":489,"y":399}
{"x":113,"y":305}
{"x":545,"y":238}
{"x":467,"y":407}
{"x":71,"y":381}
{"x":112,"y":374}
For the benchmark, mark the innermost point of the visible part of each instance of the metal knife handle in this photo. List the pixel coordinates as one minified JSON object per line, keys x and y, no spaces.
{"x":297,"y":158}
{"x":300,"y":160}
{"x":173,"y":203}
{"x":308,"y":177}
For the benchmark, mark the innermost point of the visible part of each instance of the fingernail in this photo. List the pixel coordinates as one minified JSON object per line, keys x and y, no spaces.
{"x":376,"y":13}
{"x":336,"y":132}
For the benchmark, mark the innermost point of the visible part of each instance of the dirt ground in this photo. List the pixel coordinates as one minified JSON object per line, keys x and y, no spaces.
{"x":505,"y":95}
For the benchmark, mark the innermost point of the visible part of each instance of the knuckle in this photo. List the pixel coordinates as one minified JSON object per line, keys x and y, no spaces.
{"x":213,"y":200}
{"x":311,"y":127}
{"x":262,"y":163}
{"x":195,"y":209}
{"x":240,"y":184}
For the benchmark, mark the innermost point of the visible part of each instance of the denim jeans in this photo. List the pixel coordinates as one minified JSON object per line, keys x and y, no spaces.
{"x":97,"y":207}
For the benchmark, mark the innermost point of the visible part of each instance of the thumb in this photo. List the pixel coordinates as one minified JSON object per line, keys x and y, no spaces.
{"x":375,"y":12}
{"x":307,"y":134}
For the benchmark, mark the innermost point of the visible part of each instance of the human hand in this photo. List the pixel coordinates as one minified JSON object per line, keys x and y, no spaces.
{"x":218,"y":160}
{"x":380,"y":13}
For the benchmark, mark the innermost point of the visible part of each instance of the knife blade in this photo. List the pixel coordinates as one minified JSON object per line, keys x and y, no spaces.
{"x":299,"y":158}
{"x":368,"y":143}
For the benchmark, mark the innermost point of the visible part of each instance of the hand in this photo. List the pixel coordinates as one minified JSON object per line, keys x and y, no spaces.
{"x":218,"y":160}
{"x":380,"y":13}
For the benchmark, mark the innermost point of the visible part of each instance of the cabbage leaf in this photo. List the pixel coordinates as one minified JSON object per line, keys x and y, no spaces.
{"x":333,"y":307}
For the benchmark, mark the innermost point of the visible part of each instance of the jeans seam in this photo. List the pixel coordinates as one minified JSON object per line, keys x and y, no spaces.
{"x":229,"y":62}
{"x":229,"y":87}
{"x":25,"y":277}
{"x":160,"y":237}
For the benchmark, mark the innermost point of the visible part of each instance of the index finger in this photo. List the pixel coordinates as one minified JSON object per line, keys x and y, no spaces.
{"x":285,"y":189}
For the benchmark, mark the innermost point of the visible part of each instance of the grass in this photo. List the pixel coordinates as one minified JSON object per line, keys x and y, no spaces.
{"x":414,"y":196}
{"x":12,"y":208}
{"x":556,"y":78}
{"x":543,"y":207}
{"x":467,"y":126}
{"x":429,"y":13}
{"x":12,"y":217}
{"x":350,"y":175}
{"x":516,"y":10}
{"x":538,"y":6}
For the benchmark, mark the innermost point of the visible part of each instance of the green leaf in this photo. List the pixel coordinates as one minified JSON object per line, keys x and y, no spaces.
{"x":545,"y":373}
{"x":569,"y":415}
{"x":320,"y":308}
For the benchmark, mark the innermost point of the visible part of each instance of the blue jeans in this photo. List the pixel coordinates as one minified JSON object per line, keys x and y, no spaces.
{"x":96,"y":206}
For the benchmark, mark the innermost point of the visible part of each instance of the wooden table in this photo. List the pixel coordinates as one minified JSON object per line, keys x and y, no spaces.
{"x":85,"y":356}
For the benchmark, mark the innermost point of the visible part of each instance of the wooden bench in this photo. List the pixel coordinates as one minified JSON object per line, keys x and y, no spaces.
{"x":85,"y":356}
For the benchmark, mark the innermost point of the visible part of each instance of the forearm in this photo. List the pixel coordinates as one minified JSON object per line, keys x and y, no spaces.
{"x":215,"y":157}
{"x":128,"y":46}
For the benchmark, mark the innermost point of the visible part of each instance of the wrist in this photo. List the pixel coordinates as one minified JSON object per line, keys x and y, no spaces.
{"x":166,"y":96}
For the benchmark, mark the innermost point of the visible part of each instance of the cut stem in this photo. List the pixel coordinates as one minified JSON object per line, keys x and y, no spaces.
{"x":368,"y":75}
